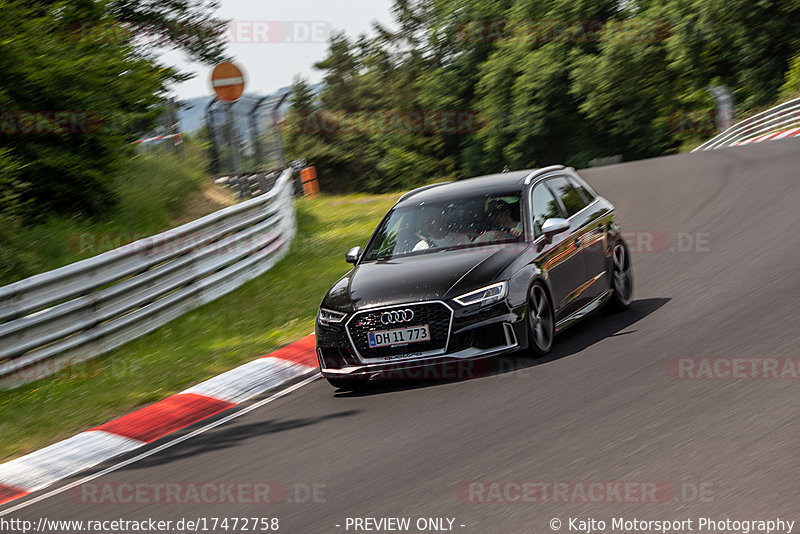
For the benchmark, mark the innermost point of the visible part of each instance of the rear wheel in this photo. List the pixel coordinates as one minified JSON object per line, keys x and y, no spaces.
{"x":541,"y":321}
{"x":622,"y":278}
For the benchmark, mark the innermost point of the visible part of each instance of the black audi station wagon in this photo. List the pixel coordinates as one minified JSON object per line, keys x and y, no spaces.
{"x":472,"y":269}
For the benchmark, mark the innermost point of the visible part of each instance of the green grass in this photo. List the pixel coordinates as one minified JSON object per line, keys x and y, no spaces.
{"x":271,"y":311}
{"x":151,"y":190}
{"x":688,"y":146}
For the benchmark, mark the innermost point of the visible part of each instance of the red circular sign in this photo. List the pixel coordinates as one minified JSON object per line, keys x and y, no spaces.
{"x":227,"y":80}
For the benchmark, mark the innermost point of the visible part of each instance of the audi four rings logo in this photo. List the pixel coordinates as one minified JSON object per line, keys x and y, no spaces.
{"x":398,"y":316}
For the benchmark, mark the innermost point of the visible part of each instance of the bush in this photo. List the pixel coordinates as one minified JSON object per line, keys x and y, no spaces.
{"x":151,"y":189}
{"x":791,"y":84}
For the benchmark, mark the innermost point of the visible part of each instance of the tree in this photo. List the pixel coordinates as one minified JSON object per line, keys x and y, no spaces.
{"x":10,"y":186}
{"x":791,"y":85}
{"x":462,"y":36}
{"x":301,"y":129}
{"x":544,"y":81}
{"x":626,"y":92}
{"x":79,"y":92}
{"x":184,"y":24}
{"x":524,"y":89}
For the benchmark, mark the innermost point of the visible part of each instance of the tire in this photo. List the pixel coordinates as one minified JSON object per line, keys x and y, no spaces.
{"x":349,"y":384}
{"x":541,"y":321}
{"x":621,"y":278}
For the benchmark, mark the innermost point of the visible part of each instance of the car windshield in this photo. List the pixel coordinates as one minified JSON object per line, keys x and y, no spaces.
{"x":430,"y":227}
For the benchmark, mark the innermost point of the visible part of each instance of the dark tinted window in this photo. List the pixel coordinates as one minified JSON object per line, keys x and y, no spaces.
{"x":543,"y":206}
{"x":572,"y":200}
{"x":585,"y":192}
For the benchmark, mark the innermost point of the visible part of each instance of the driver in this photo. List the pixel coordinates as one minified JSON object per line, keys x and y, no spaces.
{"x":435,"y":234}
{"x":504,"y":225}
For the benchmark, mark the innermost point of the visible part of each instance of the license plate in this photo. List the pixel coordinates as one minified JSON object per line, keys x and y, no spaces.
{"x":399,"y":336}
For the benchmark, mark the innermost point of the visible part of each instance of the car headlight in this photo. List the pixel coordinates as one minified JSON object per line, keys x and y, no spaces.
{"x":485,"y":295}
{"x":325,"y":316}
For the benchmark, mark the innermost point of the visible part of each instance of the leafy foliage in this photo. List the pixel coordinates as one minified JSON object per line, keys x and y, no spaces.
{"x":545,"y":81}
{"x":152,"y":191}
{"x":78,"y":89}
{"x":791,"y":87}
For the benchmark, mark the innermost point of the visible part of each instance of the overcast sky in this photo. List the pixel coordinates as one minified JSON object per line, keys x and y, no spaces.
{"x":275,"y":40}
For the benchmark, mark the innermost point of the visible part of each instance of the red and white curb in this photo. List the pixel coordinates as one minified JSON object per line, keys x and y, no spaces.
{"x":771,"y":136}
{"x":39,"y":469}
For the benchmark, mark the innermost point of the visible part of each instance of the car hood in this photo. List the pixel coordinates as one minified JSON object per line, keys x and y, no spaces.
{"x":439,"y":275}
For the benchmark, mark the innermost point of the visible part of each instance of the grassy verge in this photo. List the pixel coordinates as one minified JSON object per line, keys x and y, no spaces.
{"x":268,"y":312}
{"x":154,"y":192}
{"x":688,"y":146}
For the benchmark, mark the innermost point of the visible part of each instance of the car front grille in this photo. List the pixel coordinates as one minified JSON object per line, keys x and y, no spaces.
{"x":434,"y":314}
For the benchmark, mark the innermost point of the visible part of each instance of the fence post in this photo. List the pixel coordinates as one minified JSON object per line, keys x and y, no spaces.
{"x":236,"y":157}
{"x":215,"y":164}
{"x":277,"y":131}
{"x":258,"y":156}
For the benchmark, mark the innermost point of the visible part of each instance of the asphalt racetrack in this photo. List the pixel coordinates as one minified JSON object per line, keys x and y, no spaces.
{"x":660,"y":413}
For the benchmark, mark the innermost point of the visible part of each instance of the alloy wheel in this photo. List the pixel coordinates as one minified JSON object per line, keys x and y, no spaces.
{"x":540,"y":320}
{"x":623,"y":276}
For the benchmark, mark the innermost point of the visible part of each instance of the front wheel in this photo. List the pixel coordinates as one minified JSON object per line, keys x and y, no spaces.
{"x":541,"y":321}
{"x":621,"y":279}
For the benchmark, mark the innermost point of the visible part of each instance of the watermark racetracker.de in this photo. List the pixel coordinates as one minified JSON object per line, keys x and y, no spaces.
{"x":734,"y":368}
{"x":257,"y":32}
{"x":127,"y":243}
{"x":123,"y":243}
{"x":563,"y":31}
{"x":581,"y":492}
{"x":417,"y":122}
{"x":198,"y":492}
{"x":49,"y":122}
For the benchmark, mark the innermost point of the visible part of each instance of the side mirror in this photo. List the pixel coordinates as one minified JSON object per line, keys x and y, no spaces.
{"x":352,"y":255}
{"x":553,"y":227}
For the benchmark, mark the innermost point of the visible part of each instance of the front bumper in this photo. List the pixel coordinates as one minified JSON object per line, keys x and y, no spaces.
{"x":474,"y":334}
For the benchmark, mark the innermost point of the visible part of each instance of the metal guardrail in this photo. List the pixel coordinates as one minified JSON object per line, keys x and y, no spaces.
{"x":771,"y":120}
{"x":60,"y":318}
{"x":249,"y":185}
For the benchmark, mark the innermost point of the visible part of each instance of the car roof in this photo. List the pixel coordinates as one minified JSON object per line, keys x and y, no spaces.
{"x":493,"y":183}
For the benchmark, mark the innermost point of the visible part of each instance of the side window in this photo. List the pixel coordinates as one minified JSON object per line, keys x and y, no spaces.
{"x":570,"y":198}
{"x":585,"y":192}
{"x":543,"y":207}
